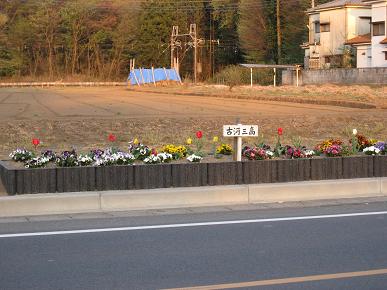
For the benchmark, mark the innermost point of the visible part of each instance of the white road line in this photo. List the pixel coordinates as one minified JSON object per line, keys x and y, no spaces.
{"x":187,"y":225}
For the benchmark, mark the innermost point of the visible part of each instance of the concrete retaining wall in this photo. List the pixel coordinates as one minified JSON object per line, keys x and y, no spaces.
{"x":376,"y":76}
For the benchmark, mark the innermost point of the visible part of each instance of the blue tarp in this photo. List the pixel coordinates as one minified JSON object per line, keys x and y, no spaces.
{"x":145,"y":76}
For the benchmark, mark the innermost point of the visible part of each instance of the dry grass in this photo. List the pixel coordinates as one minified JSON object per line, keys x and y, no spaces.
{"x":375,"y":95}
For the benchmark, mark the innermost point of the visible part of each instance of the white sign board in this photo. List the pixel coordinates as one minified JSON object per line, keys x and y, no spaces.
{"x":240,"y":131}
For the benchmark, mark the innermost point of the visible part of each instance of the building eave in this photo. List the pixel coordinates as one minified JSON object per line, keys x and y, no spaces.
{"x":361,"y":44}
{"x":318,"y":10}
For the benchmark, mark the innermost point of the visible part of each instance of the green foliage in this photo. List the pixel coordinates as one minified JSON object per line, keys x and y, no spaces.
{"x":97,"y":38}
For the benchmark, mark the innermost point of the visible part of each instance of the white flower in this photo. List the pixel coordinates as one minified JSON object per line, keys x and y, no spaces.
{"x":309,"y":153}
{"x":269,"y":153}
{"x":85,"y":159}
{"x":152,"y":159}
{"x":37,"y":162}
{"x":354,"y":132}
{"x":165,"y":157}
{"x":194,"y":158}
{"x":372,"y":150}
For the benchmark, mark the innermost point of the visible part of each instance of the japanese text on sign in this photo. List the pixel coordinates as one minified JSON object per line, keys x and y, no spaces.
{"x":240,"y":131}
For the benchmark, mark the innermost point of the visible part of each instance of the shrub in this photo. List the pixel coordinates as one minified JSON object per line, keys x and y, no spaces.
{"x":236,"y":75}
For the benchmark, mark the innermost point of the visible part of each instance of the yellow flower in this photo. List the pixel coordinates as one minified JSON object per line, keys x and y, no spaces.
{"x":215,"y":139}
{"x":135,"y":141}
{"x":224,"y":149}
{"x":189,"y":141}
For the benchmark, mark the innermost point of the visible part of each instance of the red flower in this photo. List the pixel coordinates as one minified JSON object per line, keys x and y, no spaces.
{"x":112,"y":138}
{"x":199,"y":134}
{"x":280,"y":131}
{"x":35,"y":141}
{"x":154,"y":152}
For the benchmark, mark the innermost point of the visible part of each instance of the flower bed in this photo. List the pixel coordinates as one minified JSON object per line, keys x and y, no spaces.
{"x":122,"y":177}
{"x":142,"y":167}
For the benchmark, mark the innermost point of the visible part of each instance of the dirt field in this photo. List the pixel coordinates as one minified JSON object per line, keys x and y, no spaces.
{"x":84,"y":117}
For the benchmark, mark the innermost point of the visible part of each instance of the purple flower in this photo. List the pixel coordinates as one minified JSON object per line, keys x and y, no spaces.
{"x":381,"y":146}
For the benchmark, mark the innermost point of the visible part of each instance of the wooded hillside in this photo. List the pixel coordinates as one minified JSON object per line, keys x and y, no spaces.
{"x":95,"y":39}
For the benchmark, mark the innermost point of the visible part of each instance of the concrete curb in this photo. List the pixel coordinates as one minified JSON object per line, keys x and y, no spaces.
{"x":315,"y":190}
{"x":65,"y":203}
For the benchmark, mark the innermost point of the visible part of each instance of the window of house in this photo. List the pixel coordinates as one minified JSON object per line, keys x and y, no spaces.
{"x":385,"y":55}
{"x":378,"y":28}
{"x":325,"y":27}
{"x":317,"y":27}
{"x":365,"y":25}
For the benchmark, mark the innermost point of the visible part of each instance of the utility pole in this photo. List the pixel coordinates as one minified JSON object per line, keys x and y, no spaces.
{"x":174,"y":48}
{"x":313,"y":3}
{"x":279,"y":40}
{"x":176,"y":44}
{"x":211,"y":68}
{"x":193,"y":34}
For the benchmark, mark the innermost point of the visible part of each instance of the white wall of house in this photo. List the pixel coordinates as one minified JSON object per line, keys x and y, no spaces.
{"x":313,"y":35}
{"x":344,"y":23}
{"x":332,"y":42}
{"x":379,"y":13}
{"x":363,"y":56}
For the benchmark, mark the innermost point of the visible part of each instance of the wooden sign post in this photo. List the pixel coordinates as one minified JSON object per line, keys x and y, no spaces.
{"x":237,"y":132}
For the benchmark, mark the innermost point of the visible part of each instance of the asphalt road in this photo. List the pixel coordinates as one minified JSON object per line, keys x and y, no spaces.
{"x":279,"y":248}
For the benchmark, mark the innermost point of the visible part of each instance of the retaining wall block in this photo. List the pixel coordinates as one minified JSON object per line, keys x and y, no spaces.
{"x":39,"y":180}
{"x":88,"y":179}
{"x":114,"y":177}
{"x":300,"y":170}
{"x":290,"y":170}
{"x":225,"y":173}
{"x":8,"y":178}
{"x":326,"y":168}
{"x":334,"y":168}
{"x":189,"y":175}
{"x":152,"y":176}
{"x":358,"y":167}
{"x":74,"y":179}
{"x":380,"y":166}
{"x":284,"y":170}
{"x":258,"y":171}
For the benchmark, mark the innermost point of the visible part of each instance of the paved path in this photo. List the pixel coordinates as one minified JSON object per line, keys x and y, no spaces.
{"x":326,"y":247}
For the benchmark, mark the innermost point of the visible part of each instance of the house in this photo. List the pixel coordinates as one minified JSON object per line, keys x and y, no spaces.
{"x":372,"y":48}
{"x":331,"y":26}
